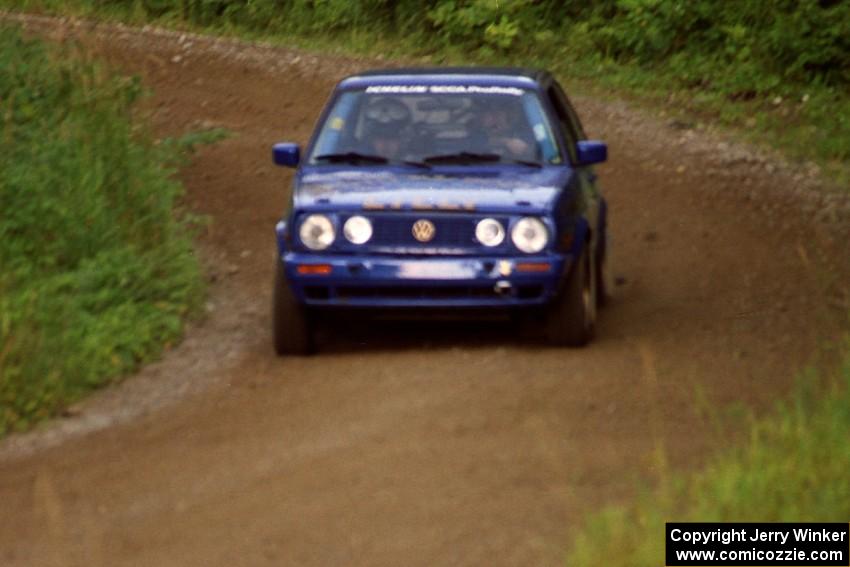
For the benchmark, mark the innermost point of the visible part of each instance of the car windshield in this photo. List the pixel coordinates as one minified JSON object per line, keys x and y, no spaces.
{"x":428,"y":125}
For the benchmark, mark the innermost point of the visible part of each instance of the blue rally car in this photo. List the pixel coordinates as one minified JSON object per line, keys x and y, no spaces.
{"x":447,"y":189}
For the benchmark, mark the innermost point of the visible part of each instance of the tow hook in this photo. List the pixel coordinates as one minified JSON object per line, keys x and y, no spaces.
{"x":503,"y":287}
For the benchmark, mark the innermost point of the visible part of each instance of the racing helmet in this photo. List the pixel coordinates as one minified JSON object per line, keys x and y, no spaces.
{"x":386,"y":117}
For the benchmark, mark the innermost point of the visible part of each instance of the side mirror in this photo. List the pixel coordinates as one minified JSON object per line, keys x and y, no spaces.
{"x":591,"y":151}
{"x":286,"y":154}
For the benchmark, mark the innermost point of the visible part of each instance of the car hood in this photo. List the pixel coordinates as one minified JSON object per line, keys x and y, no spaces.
{"x":501,"y":189}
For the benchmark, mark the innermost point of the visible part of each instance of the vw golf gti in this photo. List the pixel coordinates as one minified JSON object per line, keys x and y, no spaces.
{"x":468,"y":190}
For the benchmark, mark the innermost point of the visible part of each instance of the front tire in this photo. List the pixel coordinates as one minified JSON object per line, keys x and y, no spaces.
{"x":603,"y":272}
{"x":571,"y":319}
{"x":291,"y":331}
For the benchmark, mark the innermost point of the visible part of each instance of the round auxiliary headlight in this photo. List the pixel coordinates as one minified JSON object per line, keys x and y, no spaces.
{"x":357,"y":230}
{"x":490,"y":232}
{"x":530,"y":235}
{"x":317,"y":232}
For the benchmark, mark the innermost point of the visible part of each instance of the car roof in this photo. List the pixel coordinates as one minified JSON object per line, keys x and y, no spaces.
{"x":501,"y":76}
{"x":508,"y":71}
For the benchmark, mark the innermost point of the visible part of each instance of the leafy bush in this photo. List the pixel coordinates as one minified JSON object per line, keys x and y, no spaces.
{"x":97,"y":273}
{"x":801,"y":41}
{"x":788,"y":42}
{"x":487,"y":23}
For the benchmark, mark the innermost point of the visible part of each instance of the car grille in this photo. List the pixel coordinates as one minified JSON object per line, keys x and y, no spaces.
{"x":449,"y":231}
{"x":454,"y":231}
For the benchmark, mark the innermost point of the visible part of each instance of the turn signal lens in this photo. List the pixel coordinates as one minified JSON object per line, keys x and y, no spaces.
{"x":536,"y":267}
{"x":314,"y":269}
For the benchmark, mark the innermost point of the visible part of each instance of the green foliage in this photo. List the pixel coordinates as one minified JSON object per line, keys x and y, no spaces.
{"x":751,"y":47}
{"x":729,"y":60}
{"x":793,"y":468}
{"x":97,"y":273}
{"x":802,"y":41}
{"x":479,"y":23}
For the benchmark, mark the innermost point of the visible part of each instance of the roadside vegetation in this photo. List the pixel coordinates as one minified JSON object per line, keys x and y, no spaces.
{"x":98,"y":271}
{"x":792,"y":468}
{"x":778,"y":71}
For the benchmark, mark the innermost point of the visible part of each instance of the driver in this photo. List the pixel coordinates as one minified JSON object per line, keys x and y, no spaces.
{"x":498,"y":132}
{"x":386,"y":121}
{"x":385,"y":139}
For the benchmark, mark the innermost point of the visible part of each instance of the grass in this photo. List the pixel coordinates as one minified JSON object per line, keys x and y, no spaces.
{"x":791,"y":468}
{"x":99,"y":272}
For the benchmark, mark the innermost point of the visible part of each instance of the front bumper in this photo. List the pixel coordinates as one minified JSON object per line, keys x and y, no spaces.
{"x":444,"y":282}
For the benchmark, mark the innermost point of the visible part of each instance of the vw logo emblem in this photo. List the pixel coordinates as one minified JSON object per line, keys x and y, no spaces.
{"x":423,"y":230}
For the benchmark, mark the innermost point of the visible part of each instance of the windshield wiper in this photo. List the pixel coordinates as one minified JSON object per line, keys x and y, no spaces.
{"x":463,"y":157}
{"x":419,"y":164}
{"x":471,"y":157}
{"x":525,"y":162}
{"x":351,"y":157}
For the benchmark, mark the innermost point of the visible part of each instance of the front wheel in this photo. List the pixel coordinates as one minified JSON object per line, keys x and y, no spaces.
{"x":290,"y":323}
{"x":571,"y":318}
{"x":603,"y":273}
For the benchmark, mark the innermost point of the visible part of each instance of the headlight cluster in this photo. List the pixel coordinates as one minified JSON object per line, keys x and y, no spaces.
{"x":317,"y":232}
{"x":357,"y":230}
{"x":490,"y":232}
{"x":530,"y":235}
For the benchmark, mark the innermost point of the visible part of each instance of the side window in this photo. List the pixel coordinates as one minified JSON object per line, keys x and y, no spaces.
{"x":571,"y":113}
{"x":567,"y":127}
